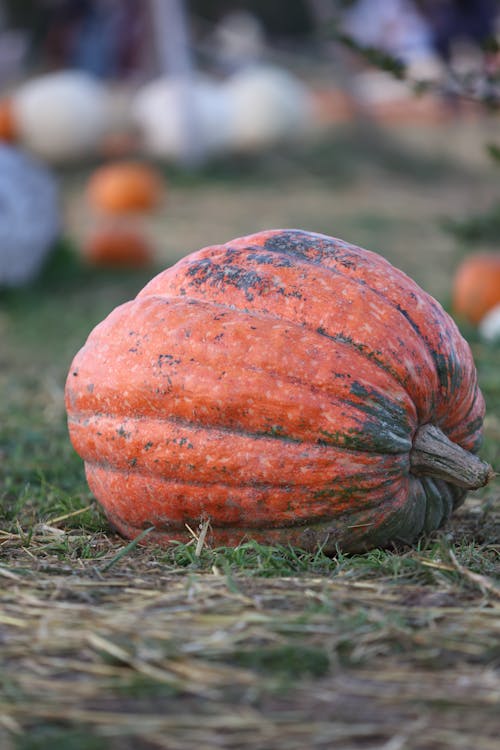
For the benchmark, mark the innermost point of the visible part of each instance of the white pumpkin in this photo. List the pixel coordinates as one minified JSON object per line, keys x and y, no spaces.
{"x":29,"y":216}
{"x":62,"y":116}
{"x":267,"y":105}
{"x":489,"y":326}
{"x":182,"y":118}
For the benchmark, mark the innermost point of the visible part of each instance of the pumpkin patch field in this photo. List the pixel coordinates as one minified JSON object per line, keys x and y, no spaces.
{"x":108,"y":641}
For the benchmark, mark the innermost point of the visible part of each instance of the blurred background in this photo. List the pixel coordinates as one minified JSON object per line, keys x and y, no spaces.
{"x":135,"y":132}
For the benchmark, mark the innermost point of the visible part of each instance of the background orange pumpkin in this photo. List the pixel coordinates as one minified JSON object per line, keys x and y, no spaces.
{"x":476,"y":286}
{"x":124,"y":187}
{"x":116,"y":247}
{"x":8,"y":130}
{"x":287,"y":386}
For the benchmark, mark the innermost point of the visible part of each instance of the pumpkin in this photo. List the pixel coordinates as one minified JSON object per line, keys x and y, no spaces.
{"x":8,"y":129}
{"x":30,"y":218}
{"x":117,"y":247}
{"x":124,"y":187}
{"x":287,"y":386}
{"x":476,"y":286}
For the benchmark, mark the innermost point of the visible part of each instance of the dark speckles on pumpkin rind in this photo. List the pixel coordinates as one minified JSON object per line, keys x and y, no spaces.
{"x":168,"y":360}
{"x":309,"y":248}
{"x":200,"y":268}
{"x":250,"y":282}
{"x":183,"y":442}
{"x":291,"y":243}
{"x":206,"y":271}
{"x":363,"y":349}
{"x":270,"y":259}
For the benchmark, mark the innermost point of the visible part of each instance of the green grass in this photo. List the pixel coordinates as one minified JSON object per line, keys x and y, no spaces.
{"x":59,"y":738}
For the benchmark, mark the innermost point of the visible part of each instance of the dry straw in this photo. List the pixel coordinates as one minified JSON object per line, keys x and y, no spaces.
{"x":127,"y":646}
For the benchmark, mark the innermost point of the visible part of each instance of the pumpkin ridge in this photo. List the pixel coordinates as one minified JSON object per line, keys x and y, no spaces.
{"x":448,"y":373}
{"x":473,"y":428}
{"x":439,"y":504}
{"x":457,"y":494}
{"x":448,"y":370}
{"x":362,"y":349}
{"x":444,"y":376}
{"x":327,"y":492}
{"x":77,"y":417}
{"x":177,"y":501}
{"x":214,"y":266}
{"x":192,"y":454}
{"x":361,"y":407}
{"x":192,"y":423}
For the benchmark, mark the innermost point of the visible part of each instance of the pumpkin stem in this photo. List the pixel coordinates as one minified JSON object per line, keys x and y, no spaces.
{"x":435,"y":455}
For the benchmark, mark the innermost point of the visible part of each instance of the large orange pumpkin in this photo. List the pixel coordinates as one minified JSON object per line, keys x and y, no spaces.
{"x":476,"y":286}
{"x":287,"y":386}
{"x":124,"y":187}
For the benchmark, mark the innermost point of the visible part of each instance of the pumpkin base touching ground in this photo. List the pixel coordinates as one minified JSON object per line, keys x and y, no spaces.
{"x":286,"y":387}
{"x":325,"y":536}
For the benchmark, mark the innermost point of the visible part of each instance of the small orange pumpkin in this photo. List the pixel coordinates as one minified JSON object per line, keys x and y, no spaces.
{"x":124,"y":187}
{"x":8,"y":129}
{"x":118,"y":247}
{"x":331,"y":106}
{"x":476,"y":286}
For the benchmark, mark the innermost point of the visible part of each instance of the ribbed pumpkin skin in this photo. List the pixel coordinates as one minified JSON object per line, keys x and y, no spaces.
{"x":273,"y":385}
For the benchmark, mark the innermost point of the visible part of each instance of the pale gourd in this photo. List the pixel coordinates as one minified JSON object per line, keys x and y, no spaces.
{"x":268,"y":105}
{"x":62,"y":116}
{"x":178,"y":116}
{"x":489,"y":326}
